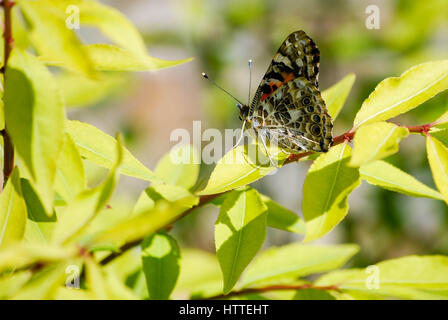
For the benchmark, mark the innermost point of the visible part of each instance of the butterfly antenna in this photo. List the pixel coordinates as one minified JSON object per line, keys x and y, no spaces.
{"x":250,"y":81}
{"x":221,"y":88}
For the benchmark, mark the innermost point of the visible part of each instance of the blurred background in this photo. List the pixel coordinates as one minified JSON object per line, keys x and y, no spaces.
{"x":222,"y":35}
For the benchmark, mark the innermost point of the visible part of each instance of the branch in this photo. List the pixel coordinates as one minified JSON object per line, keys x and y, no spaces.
{"x":8,"y":151}
{"x":348,"y":136}
{"x":276,"y":287}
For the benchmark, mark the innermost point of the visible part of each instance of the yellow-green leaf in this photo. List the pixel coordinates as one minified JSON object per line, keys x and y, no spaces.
{"x":35,"y":117}
{"x":387,"y":176}
{"x":326,"y":189}
{"x":240,"y":231}
{"x":12,"y":211}
{"x":100,"y":148}
{"x":394,"y":96}
{"x":376,"y":141}
{"x":438,"y":161}
{"x":412,"y":277}
{"x":336,"y":95}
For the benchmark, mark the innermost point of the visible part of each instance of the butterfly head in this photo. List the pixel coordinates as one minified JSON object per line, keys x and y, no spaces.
{"x":244,"y":111}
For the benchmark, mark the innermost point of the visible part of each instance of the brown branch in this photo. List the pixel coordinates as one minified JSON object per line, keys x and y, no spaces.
{"x":276,"y":287}
{"x":348,"y":136}
{"x":8,"y":149}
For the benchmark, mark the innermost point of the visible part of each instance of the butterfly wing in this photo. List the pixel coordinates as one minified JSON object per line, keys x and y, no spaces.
{"x":298,"y":56}
{"x":295,"y":117}
{"x":287,"y":106}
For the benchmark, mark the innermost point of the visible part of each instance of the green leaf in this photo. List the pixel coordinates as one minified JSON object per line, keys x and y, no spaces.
{"x":99,"y":147}
{"x":238,"y":168}
{"x":438,"y":161}
{"x":240,"y":231}
{"x":83,"y":208}
{"x":376,"y":141}
{"x":63,"y":45}
{"x":327,"y":185}
{"x":107,"y":57}
{"x":44,"y":284}
{"x":11,"y":283}
{"x":12,"y":211}
{"x":394,"y":96}
{"x":387,"y":176}
{"x":336,"y":95}
{"x":141,"y":224}
{"x":80,"y":91}
{"x":297,"y":260}
{"x":23,"y":254}
{"x":412,"y":277}
{"x":70,"y":175}
{"x":180,"y":166}
{"x":35,"y":117}
{"x":440,"y":132}
{"x":95,"y":281}
{"x":194,"y":284}
{"x":281,"y":218}
{"x":160,"y":260}
{"x":111,"y":22}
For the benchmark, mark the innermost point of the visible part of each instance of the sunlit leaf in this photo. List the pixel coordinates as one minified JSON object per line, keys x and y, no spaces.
{"x":336,"y":95}
{"x":241,"y":166}
{"x":43,"y":284}
{"x":394,"y":96}
{"x":376,"y":141}
{"x":99,"y":147}
{"x":327,"y":186}
{"x":438,"y":161}
{"x":35,"y":117}
{"x":240,"y":231}
{"x":297,"y":260}
{"x":13,"y":212}
{"x":95,"y":281}
{"x":11,"y":283}
{"x":180,"y":166}
{"x":80,"y":91}
{"x":70,"y":176}
{"x":440,"y":132}
{"x":160,"y":261}
{"x":387,"y":176}
{"x":281,"y":218}
{"x":63,"y":45}
{"x":412,"y":277}
{"x":87,"y":204}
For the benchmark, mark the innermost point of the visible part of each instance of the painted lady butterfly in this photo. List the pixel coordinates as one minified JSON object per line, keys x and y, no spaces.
{"x":288,"y":108}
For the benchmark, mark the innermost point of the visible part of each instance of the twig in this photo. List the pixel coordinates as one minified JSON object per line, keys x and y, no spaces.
{"x":8,"y":149}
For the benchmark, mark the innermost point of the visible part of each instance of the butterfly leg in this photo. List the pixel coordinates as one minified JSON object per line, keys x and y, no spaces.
{"x":267,"y":152}
{"x":240,"y":138}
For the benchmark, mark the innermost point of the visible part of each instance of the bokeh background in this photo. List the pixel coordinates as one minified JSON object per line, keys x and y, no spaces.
{"x":222,"y":35}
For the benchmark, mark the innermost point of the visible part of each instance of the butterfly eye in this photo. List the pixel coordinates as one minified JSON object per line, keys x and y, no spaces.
{"x":306,"y":101}
{"x":315,"y":130}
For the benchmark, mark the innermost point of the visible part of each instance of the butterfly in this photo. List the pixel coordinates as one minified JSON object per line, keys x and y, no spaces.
{"x":288,"y":109}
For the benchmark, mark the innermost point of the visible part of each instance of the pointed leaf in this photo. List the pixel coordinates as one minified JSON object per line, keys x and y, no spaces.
{"x":240,"y":231}
{"x":35,"y":117}
{"x":336,"y":95}
{"x":394,"y":96}
{"x":440,"y":132}
{"x":12,"y":211}
{"x":411,"y":277}
{"x":99,"y":147}
{"x":281,"y":218}
{"x":297,"y":260}
{"x":387,"y":176}
{"x":376,"y":141}
{"x":180,"y":166}
{"x":438,"y":161}
{"x":327,"y":186}
{"x":160,"y":260}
